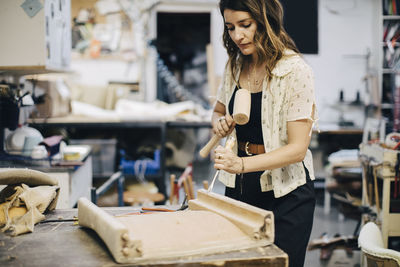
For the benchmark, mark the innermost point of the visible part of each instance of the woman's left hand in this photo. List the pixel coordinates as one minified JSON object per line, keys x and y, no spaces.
{"x":226,"y":160}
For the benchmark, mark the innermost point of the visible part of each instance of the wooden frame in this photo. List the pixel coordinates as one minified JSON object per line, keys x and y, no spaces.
{"x":212,"y":224}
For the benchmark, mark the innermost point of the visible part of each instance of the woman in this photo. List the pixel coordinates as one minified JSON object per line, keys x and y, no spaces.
{"x":272,"y":168}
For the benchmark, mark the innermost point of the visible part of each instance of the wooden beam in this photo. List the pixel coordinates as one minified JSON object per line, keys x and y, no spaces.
{"x":255,"y":222}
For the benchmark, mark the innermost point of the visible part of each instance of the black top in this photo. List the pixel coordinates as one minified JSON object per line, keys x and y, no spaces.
{"x":251,"y":131}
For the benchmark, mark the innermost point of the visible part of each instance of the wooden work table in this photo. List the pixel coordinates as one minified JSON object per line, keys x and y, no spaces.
{"x":63,"y":243}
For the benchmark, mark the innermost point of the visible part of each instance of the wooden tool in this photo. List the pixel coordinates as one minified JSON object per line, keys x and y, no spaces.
{"x":241,"y":116}
{"x":205,"y":184}
{"x":229,"y":144}
{"x":172,"y":195}
{"x":241,"y":106}
{"x":207,"y":148}
{"x":191,"y":187}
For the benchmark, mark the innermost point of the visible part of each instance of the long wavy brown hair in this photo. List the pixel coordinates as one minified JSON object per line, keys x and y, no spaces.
{"x":270,"y":38}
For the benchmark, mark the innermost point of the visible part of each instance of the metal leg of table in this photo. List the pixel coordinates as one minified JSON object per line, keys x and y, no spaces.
{"x":118,"y":178}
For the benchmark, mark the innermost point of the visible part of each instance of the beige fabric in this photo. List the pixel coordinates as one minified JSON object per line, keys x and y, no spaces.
{"x":214,"y":227}
{"x":36,"y":200}
{"x":12,"y":212}
{"x":27,"y":176}
{"x":186,"y":233}
{"x":288,"y":96}
{"x":23,"y":206}
{"x":255,"y":222}
{"x":371,"y":243}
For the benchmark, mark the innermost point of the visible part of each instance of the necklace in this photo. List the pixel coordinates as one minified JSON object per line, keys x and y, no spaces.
{"x":257,"y":81}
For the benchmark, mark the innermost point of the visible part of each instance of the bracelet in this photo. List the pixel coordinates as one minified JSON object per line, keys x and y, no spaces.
{"x":242,"y":165}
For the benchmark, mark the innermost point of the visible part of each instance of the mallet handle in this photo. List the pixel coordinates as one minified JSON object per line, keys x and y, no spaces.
{"x":207,"y":148}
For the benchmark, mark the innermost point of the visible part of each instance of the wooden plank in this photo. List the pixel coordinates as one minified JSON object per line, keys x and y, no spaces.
{"x":253,"y":221}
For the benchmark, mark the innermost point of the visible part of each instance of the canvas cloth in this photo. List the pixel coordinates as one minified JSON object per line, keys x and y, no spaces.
{"x":33,"y":190}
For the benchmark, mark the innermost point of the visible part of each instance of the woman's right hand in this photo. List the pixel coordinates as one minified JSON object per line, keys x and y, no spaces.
{"x":223,"y":125}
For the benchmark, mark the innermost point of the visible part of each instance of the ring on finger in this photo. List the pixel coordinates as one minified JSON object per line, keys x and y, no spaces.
{"x":221,"y":118}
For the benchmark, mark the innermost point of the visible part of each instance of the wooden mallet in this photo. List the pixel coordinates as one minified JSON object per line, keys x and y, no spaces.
{"x":241,"y":116}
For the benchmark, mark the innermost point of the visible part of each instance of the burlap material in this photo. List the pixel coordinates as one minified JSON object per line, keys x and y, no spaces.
{"x":23,"y":206}
{"x":26,"y":176}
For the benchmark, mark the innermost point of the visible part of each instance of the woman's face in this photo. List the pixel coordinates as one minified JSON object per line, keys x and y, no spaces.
{"x":241,"y":27}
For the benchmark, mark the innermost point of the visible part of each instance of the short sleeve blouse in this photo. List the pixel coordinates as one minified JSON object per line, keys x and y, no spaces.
{"x":287,"y":96}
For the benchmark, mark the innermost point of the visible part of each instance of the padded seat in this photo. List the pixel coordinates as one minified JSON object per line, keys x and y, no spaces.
{"x":371,"y":243}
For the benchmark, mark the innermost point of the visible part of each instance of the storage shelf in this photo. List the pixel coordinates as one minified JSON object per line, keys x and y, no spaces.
{"x":397,"y":44}
{"x":389,"y":71}
{"x":386,"y":106}
{"x":391,"y":17}
{"x":30,"y":70}
{"x":389,"y":220}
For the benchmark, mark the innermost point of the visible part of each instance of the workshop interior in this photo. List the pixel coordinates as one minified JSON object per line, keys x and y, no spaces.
{"x":107,"y":144}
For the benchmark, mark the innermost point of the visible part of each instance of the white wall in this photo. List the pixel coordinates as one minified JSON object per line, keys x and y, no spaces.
{"x":101,"y":71}
{"x":347,"y":29}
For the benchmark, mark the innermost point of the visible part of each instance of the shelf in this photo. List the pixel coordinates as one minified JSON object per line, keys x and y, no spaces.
{"x":125,"y":57}
{"x":390,"y":71}
{"x":29,"y":70}
{"x":397,"y":44}
{"x":387,"y":106}
{"x":379,"y":155}
{"x":391,"y":17}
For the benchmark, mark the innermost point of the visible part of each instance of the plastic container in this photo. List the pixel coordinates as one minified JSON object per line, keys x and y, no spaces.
{"x":103,"y":155}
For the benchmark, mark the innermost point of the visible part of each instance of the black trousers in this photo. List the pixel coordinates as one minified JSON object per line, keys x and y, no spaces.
{"x":293,"y":213}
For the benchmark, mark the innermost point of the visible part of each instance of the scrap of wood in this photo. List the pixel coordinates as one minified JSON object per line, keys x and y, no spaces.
{"x":191,"y":187}
{"x":255,"y":222}
{"x":172,"y":189}
{"x":205,"y":184}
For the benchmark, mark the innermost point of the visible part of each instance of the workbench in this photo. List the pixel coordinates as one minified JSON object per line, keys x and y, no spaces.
{"x":63,"y":243}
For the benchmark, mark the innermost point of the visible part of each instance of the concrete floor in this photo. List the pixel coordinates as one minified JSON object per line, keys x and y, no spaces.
{"x":332,"y":223}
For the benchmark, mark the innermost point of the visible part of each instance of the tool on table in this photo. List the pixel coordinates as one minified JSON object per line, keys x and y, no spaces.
{"x":229,"y":144}
{"x":185,"y":181}
{"x":74,"y":219}
{"x":174,"y":192}
{"x":150,"y":209}
{"x":145,"y":209}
